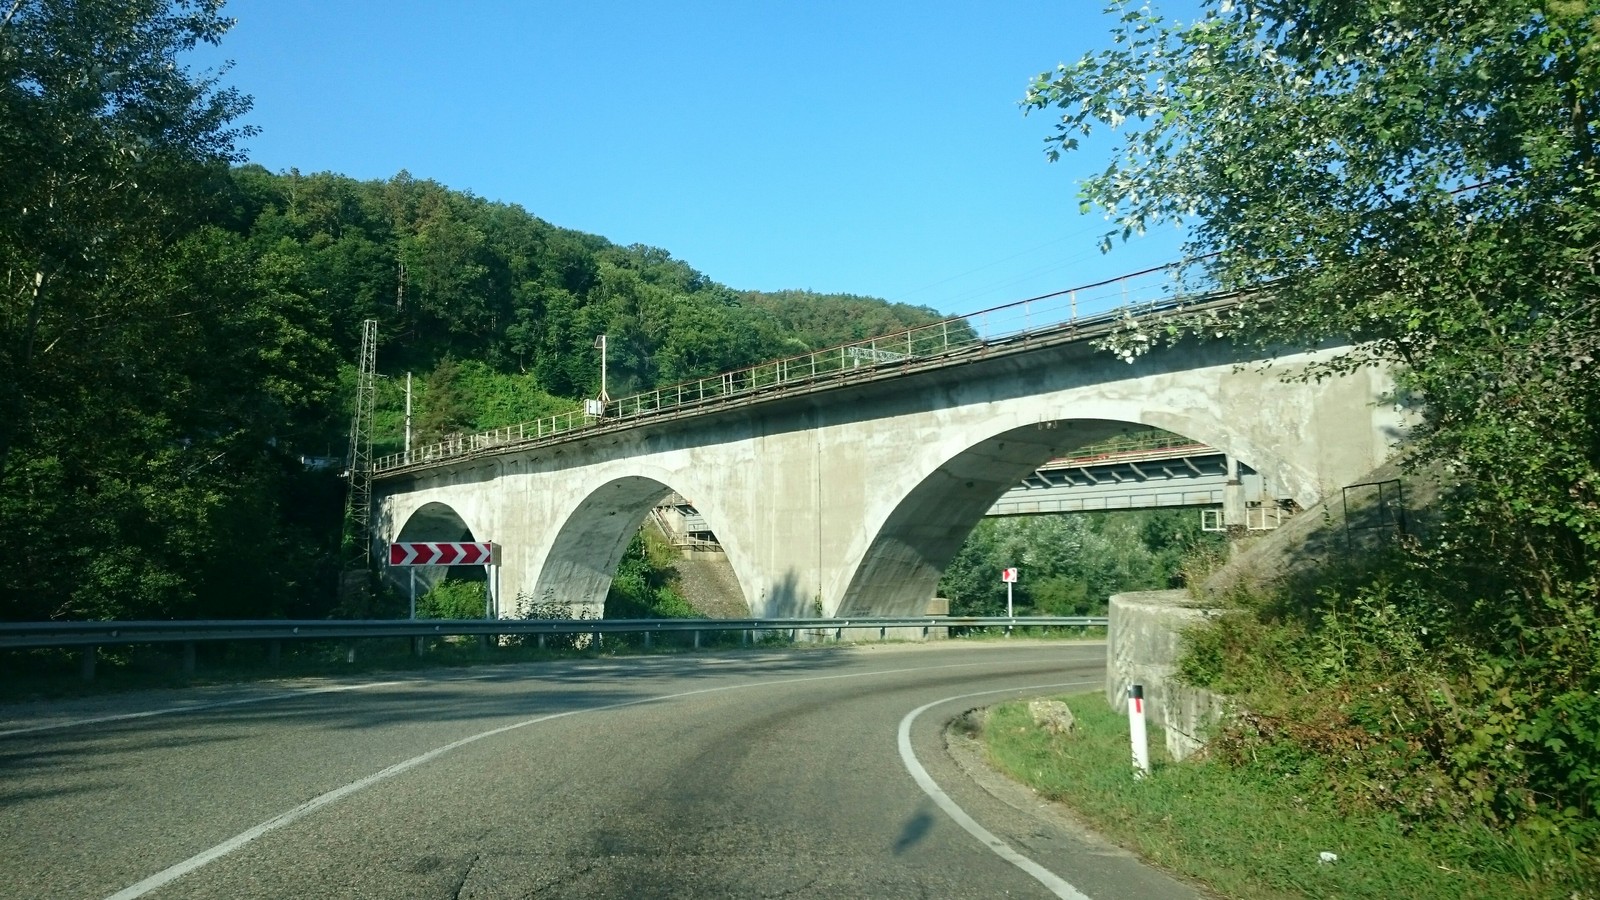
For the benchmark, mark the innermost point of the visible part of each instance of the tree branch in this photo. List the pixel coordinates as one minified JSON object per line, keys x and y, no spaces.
{"x":11,"y":13}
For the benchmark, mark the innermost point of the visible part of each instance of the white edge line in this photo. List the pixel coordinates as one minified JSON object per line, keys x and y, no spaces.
{"x":195,"y":707}
{"x":1053,"y":882}
{"x":174,"y":872}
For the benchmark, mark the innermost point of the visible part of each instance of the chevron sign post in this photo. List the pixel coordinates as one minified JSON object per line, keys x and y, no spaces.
{"x":444,"y":554}
{"x":434,"y":553}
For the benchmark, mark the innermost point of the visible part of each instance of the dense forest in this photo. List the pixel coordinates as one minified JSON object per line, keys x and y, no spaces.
{"x":178,"y":330}
{"x":264,"y":291}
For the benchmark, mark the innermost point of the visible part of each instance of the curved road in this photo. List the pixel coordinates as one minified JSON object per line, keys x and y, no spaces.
{"x":759,"y":774}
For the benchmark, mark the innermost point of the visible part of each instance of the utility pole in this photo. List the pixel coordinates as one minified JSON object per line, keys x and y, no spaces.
{"x":408,"y":417}
{"x":597,"y":408}
{"x":600,"y":344}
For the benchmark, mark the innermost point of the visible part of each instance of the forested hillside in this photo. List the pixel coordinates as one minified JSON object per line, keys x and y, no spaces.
{"x":184,"y":409}
{"x":177,"y":331}
{"x":496,"y":310}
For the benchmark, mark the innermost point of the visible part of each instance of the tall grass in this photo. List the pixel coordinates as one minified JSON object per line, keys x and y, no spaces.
{"x":1251,"y":836}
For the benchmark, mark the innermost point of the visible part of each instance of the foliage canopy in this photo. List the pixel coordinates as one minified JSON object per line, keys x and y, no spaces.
{"x":177,"y":336}
{"x":1419,"y":181}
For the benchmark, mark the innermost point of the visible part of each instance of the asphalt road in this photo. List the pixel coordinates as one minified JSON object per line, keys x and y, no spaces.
{"x":756,"y":774}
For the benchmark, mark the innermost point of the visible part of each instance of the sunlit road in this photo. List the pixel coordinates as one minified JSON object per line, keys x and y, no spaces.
{"x":740,"y":775}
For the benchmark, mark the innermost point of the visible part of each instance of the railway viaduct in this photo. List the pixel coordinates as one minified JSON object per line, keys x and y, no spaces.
{"x":844,"y":490}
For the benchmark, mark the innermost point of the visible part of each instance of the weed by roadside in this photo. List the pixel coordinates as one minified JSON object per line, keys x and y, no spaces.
{"x":1252,"y":835}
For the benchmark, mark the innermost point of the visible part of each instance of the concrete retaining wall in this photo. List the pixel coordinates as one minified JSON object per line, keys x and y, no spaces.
{"x":1142,"y":647}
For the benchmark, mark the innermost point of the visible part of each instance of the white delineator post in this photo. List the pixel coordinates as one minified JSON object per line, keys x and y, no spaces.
{"x":1141,"y":744}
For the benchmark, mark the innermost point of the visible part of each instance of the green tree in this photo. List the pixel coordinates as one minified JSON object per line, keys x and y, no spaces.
{"x":1070,"y":563}
{"x":1419,"y":180}
{"x":106,"y":138}
{"x":445,"y":408}
{"x":149,"y":366}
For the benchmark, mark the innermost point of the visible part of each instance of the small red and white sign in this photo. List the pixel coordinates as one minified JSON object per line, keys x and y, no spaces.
{"x":444,"y":554}
{"x":1008,"y":575}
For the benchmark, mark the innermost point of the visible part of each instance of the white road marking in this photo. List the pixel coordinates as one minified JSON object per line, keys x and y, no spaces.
{"x":169,"y":710}
{"x":1055,"y":883}
{"x":174,"y":872}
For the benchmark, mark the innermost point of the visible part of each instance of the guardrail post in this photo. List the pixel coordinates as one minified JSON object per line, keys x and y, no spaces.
{"x":541,"y":640}
{"x":188,"y":659}
{"x":744,"y":637}
{"x":86,"y":662}
{"x":350,"y":652}
{"x":697,"y":639}
{"x":883,"y":632}
{"x":274,"y":653}
{"x":647,"y":640}
{"x":416,"y":646}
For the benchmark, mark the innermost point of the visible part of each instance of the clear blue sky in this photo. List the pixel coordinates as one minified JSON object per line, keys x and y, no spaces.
{"x":864,"y":147}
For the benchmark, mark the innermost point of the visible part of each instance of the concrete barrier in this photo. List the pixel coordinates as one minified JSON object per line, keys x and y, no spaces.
{"x":1143,"y":642}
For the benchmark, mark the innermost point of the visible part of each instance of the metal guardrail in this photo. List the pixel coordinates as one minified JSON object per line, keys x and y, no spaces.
{"x":1099,"y":304}
{"x":25,"y":635}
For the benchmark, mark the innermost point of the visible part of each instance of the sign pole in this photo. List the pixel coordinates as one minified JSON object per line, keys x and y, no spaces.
{"x":413,"y":572}
{"x":1009,"y":576}
{"x":1009,"y":613}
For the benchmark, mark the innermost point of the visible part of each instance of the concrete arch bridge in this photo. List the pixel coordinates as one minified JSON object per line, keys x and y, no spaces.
{"x":848,"y":494}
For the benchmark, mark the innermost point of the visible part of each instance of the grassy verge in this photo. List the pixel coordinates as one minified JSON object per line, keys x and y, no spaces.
{"x":1251,"y":837}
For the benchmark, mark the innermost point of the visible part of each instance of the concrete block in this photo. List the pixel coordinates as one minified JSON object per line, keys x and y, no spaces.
{"x":1143,"y":643}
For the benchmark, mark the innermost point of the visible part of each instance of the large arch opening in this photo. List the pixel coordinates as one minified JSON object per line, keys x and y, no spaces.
{"x":1023,"y":471}
{"x":587,"y":552}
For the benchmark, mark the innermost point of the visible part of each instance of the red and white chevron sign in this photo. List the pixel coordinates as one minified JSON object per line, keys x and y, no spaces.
{"x":444,"y":554}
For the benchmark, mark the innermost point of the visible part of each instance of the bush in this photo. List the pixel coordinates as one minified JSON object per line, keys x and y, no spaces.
{"x":453,"y":600}
{"x":1405,"y":689}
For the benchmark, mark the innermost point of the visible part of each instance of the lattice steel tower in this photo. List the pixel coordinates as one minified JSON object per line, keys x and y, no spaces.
{"x":358,"y":511}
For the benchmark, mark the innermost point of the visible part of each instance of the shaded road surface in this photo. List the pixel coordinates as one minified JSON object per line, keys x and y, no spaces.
{"x":760,"y":774}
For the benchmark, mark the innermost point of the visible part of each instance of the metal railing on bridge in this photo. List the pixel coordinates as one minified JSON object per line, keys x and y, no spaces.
{"x":946,"y":342}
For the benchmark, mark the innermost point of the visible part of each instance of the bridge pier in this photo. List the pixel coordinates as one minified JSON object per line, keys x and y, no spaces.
{"x":1233,"y":502}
